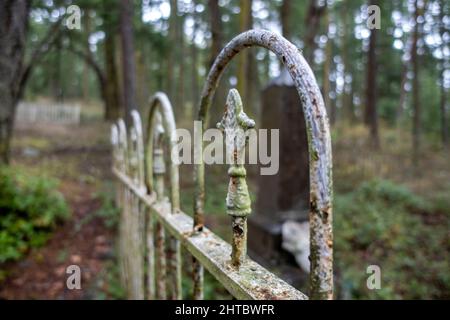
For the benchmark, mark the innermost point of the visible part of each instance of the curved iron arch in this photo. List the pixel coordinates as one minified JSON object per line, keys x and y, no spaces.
{"x":161,"y":101}
{"x":319,"y":145}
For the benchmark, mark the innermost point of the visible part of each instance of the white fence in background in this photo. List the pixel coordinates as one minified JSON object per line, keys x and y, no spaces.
{"x":60,"y":113}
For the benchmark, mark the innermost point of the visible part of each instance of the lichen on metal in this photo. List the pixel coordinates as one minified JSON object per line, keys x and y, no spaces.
{"x":235,"y":123}
{"x":159,"y":167}
{"x":123,"y":146}
{"x":115,"y":144}
{"x":127,"y":186}
{"x":250,"y":281}
{"x":160,"y":102}
{"x":150,"y":254}
{"x":319,"y":141}
{"x":125,"y":206}
{"x":138,"y":147}
{"x":244,"y":279}
{"x":133,"y":217}
{"x":161,"y":128}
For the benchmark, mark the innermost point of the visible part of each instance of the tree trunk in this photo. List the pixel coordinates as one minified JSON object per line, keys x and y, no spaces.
{"x":141,"y":77}
{"x":87,"y":30}
{"x":401,"y":103}
{"x":285,"y":17}
{"x":312,"y":25}
{"x":128,"y":63}
{"x":181,"y":65}
{"x":112,"y":102}
{"x":216,"y":30}
{"x":371,"y":117}
{"x":13,"y":31}
{"x":416,"y":88}
{"x":327,"y":67}
{"x":172,"y":60}
{"x":216,"y":27}
{"x":333,"y":107}
{"x":246,"y":81}
{"x":119,"y":69}
{"x":444,"y":123}
{"x":57,"y":83}
{"x":443,"y":107}
{"x":347,"y":96}
{"x":194,"y":65}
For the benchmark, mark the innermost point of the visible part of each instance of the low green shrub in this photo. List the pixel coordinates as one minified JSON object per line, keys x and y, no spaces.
{"x":30,"y":207}
{"x":381,"y":223}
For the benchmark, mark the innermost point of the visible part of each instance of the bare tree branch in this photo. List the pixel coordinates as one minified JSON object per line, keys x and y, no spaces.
{"x":42,"y":48}
{"x":89,"y":59}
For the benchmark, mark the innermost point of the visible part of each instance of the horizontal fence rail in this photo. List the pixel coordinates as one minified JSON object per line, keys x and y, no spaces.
{"x":153,"y":227}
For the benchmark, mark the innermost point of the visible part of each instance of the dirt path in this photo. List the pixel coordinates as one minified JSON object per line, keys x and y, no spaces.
{"x":84,"y":239}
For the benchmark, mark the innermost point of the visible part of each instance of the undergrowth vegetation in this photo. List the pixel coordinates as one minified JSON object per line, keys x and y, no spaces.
{"x":30,"y":208}
{"x":386,"y":213}
{"x":385,"y":224}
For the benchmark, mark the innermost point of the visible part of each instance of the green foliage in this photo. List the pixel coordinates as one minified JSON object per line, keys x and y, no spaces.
{"x":30,"y":208}
{"x":387,"y":225}
{"x":108,"y":211}
{"x":108,"y":285}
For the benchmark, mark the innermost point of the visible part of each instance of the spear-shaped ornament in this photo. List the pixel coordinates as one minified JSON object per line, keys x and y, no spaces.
{"x":235,"y":123}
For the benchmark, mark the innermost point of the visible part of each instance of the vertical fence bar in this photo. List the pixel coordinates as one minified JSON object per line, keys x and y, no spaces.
{"x":174,"y":269}
{"x":117,"y":164}
{"x":137,"y":247}
{"x":150,"y":232}
{"x":115,"y":161}
{"x":199,"y":200}
{"x":123,"y":227}
{"x":197,"y":278}
{"x":160,"y":262}
{"x":133,"y":248}
{"x":159,"y":171}
{"x":163,"y":123}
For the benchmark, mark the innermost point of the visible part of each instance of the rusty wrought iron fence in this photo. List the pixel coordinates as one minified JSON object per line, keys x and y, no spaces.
{"x":150,"y":263}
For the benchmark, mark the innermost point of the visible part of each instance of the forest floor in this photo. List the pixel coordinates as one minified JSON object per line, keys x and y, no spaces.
{"x":79,"y":157}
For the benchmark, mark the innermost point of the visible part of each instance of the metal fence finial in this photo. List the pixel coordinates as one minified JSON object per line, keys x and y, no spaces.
{"x":235,"y":123}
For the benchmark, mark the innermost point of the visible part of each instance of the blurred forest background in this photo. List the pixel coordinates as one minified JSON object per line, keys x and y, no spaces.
{"x":386,"y":93}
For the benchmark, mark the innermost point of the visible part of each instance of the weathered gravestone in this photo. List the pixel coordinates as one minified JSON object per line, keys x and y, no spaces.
{"x":282,"y":197}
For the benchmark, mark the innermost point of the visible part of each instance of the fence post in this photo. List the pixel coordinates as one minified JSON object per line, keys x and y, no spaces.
{"x":124,"y":225}
{"x":137,"y":215}
{"x":164,"y":126}
{"x":159,"y":170}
